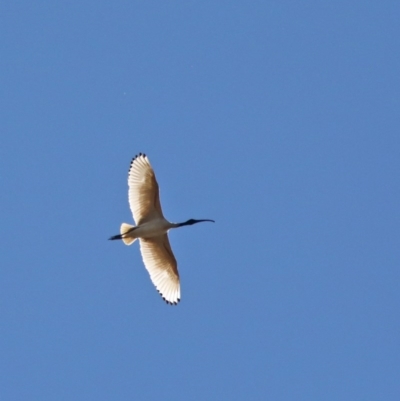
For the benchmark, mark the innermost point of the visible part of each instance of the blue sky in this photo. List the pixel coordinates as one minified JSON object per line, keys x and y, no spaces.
{"x":280,"y":120}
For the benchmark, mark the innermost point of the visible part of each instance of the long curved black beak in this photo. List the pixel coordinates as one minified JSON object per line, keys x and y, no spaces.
{"x":193,"y":221}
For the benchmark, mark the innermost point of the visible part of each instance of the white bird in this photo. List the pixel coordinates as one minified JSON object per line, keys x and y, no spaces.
{"x":151,"y":229}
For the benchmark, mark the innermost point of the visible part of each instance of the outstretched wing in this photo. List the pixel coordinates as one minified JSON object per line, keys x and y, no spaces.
{"x":161,"y":264}
{"x":144,"y":199}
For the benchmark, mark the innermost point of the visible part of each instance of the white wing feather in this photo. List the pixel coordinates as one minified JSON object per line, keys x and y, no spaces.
{"x":161,"y":264}
{"x":144,"y":197}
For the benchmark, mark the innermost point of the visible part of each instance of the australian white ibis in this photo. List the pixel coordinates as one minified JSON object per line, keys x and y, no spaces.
{"x":151,"y":229}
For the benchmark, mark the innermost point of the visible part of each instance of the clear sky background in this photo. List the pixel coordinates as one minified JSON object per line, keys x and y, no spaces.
{"x":278,"y":119}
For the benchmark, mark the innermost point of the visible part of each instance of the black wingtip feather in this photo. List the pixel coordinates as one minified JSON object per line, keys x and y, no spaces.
{"x":168,"y":302}
{"x":136,"y":156}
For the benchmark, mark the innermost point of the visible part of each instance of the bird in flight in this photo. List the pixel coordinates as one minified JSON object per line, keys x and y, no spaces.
{"x":151,"y":229}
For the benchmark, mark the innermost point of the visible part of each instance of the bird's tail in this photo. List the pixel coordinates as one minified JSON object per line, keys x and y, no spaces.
{"x":125,"y":231}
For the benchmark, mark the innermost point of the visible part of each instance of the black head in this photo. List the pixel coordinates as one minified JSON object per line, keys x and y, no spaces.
{"x":193,"y":221}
